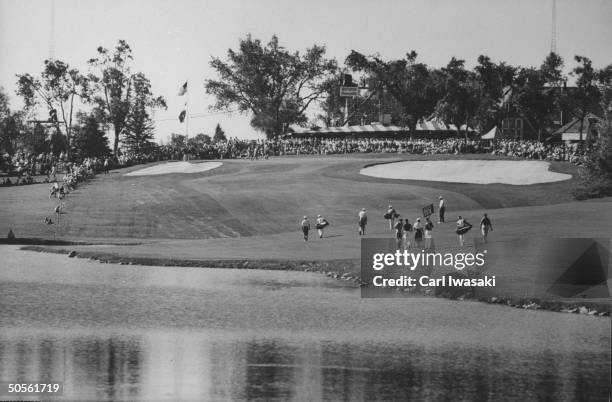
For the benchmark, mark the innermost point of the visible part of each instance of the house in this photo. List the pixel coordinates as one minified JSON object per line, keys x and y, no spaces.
{"x":513,"y":125}
{"x":570,"y":132}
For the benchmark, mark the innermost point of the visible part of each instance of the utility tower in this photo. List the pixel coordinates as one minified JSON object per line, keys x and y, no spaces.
{"x":553,"y":36}
{"x":52,"y":33}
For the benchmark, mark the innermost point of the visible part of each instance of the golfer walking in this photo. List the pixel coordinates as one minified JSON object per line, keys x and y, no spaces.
{"x":390,"y":216}
{"x":363,"y":221}
{"x":305,"y":227}
{"x":428,"y":230}
{"x":485,"y":226}
{"x":322,"y":223}
{"x":418,"y":233}
{"x":462,"y":228}
{"x":407,"y":229}
{"x":399,"y":232}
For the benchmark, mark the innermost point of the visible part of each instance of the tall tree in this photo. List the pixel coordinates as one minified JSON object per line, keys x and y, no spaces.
{"x":139,"y":131}
{"x":604,"y":87}
{"x":272,"y":84}
{"x":56,"y":88}
{"x":461,"y":95}
{"x":35,"y":139}
{"x":90,"y":140}
{"x":552,"y":70}
{"x":407,"y":81}
{"x":11,"y":125}
{"x":533,"y":100}
{"x":596,"y":170}
{"x":219,"y":135}
{"x":493,"y":78}
{"x":586,"y":94}
{"x":113,"y":88}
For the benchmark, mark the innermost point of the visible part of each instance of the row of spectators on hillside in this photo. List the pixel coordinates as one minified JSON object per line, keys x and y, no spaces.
{"x":32,"y":168}
{"x":24,"y":167}
{"x":235,"y":148}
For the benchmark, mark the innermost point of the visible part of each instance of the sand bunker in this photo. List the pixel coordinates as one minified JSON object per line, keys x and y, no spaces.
{"x":175,"y":167}
{"x":468,"y":171}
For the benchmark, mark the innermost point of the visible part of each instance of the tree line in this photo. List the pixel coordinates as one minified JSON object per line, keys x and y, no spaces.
{"x":82,"y":106}
{"x":276,"y":86}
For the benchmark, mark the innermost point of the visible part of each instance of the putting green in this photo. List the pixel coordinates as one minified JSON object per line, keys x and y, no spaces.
{"x":469,"y":171}
{"x":175,"y":167}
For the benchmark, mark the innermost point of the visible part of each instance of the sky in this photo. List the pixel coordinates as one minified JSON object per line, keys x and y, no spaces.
{"x":173,"y":40}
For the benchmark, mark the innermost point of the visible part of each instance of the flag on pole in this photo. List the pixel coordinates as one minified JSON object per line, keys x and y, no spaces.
{"x":182,"y":116}
{"x":183,"y":89}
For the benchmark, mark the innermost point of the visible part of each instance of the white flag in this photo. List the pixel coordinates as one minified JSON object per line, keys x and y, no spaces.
{"x":183,"y":89}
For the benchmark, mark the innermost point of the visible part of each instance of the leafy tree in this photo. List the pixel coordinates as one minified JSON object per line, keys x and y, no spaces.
{"x":219,"y":134}
{"x":596,"y":170}
{"x":90,"y":140}
{"x":4,"y":104}
{"x":493,"y":78}
{"x":57,"y":143}
{"x":269,"y":82}
{"x":178,"y":141}
{"x":407,"y":81}
{"x":331,"y":104}
{"x":604,"y":87}
{"x":462,"y":94}
{"x":552,"y":70}
{"x":10,"y":125}
{"x":199,"y":139}
{"x":56,"y":88}
{"x":115,"y":90}
{"x":35,"y":139}
{"x":532,"y":100}
{"x":580,"y":102}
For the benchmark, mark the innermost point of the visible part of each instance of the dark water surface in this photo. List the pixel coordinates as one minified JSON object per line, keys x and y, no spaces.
{"x":112,"y":332}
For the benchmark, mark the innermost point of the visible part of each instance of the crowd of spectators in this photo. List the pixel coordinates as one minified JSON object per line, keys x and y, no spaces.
{"x":23,"y":168}
{"x":32,"y":168}
{"x":236,"y":149}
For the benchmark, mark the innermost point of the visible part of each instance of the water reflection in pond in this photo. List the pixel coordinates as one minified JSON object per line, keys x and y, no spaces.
{"x":146,"y":333}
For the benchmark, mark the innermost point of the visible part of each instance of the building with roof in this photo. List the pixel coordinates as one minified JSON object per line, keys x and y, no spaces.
{"x":570,"y":132}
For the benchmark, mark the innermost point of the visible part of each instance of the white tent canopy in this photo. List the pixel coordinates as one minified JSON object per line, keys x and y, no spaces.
{"x":373,"y":128}
{"x":491,"y":134}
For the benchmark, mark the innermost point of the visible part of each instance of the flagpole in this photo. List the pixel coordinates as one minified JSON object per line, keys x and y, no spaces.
{"x":187,"y":112}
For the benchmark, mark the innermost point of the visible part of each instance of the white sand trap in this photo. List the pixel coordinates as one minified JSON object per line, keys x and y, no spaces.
{"x":175,"y":167}
{"x":468,"y":171}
